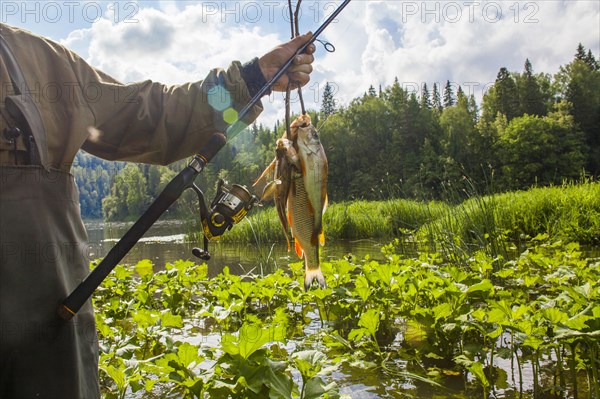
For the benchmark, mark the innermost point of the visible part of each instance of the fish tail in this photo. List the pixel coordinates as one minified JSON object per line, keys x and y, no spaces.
{"x":312,"y":275}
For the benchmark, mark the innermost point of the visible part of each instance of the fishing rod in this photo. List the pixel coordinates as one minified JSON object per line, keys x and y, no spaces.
{"x":238,"y":126}
{"x":229,"y":207}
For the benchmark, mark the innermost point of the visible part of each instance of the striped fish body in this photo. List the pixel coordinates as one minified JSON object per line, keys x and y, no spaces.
{"x":281,"y":167}
{"x":303,"y":225}
{"x":285,"y":158}
{"x":314,"y":170}
{"x":308,"y":198}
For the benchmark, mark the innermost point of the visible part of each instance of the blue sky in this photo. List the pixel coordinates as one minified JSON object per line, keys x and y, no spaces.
{"x":418,"y":42}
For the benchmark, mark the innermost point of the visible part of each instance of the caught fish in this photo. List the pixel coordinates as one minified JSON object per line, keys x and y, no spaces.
{"x":307,"y":199}
{"x":285,"y":160}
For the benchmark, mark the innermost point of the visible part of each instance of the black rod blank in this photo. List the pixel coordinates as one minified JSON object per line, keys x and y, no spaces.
{"x":170,"y":194}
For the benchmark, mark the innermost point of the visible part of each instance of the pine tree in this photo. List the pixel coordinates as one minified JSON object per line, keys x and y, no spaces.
{"x":460,"y":95}
{"x":591,"y":61}
{"x":507,"y":95}
{"x":425,"y":100}
{"x":437,"y":101}
{"x":328,"y":105}
{"x":448,"y":95}
{"x":580,"y":54}
{"x":372,"y":92}
{"x":530,"y":94}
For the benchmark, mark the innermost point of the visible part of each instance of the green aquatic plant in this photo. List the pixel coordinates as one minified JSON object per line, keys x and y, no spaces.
{"x":175,"y":333}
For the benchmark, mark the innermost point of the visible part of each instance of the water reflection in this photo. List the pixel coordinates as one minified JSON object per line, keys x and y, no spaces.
{"x":165,"y":242}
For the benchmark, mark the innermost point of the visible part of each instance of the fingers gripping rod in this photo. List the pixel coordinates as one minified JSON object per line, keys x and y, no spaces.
{"x":184,"y":180}
{"x":238,"y":126}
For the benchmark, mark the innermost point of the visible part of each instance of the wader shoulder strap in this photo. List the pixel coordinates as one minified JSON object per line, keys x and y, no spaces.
{"x":22,"y":108}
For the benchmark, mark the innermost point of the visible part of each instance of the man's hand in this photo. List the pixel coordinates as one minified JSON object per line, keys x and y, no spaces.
{"x":299,"y":71}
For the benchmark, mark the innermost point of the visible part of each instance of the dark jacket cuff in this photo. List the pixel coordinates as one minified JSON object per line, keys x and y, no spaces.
{"x":253,"y":77}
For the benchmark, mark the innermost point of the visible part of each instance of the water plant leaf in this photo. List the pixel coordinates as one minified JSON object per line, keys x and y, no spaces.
{"x":281,"y":384}
{"x":504,"y":273}
{"x":533,"y":342}
{"x":442,"y":310}
{"x":144,"y":268}
{"x":121,"y":273}
{"x":578,"y":322}
{"x":370,"y":321}
{"x":145,"y":318}
{"x":117,"y":375}
{"x":167,"y":319}
{"x":315,"y":388}
{"x":482,"y":286}
{"x":414,"y":333}
{"x":252,"y":337}
{"x":476,"y":368}
{"x":309,"y":362}
{"x":188,"y":354}
{"x":554,"y":315}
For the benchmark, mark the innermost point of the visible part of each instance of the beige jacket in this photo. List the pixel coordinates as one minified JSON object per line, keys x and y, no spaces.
{"x":82,"y":107}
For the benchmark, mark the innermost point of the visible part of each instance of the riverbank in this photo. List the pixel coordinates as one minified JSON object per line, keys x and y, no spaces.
{"x":570,"y":212}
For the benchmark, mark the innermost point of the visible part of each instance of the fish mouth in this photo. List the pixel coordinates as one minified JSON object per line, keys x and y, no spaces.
{"x":301,"y":121}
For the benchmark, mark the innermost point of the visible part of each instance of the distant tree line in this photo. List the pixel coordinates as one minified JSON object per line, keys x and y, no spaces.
{"x":530,"y":129}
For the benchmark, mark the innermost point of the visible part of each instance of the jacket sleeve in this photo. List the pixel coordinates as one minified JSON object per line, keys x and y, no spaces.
{"x":153,"y":123}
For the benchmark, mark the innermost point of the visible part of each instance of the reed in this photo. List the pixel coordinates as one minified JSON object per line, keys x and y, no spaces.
{"x":570,"y":212}
{"x":346,"y":220}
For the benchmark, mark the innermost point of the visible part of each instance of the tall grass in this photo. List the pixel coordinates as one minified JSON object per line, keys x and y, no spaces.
{"x":346,"y":220}
{"x":570,"y":212}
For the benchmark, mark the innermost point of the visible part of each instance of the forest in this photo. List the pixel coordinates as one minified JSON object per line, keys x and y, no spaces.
{"x":530,"y":129}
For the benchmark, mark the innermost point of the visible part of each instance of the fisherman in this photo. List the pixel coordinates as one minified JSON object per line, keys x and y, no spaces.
{"x":53,"y":104}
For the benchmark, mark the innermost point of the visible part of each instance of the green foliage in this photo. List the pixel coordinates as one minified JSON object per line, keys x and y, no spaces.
{"x":328,"y":106}
{"x":503,"y":221}
{"x":177,"y":334}
{"x":93,"y":177}
{"x":495,"y":222}
{"x":392,"y":144}
{"x":534,"y":150}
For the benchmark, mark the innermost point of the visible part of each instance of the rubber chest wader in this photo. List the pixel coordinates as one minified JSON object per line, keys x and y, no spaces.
{"x":42,"y":259}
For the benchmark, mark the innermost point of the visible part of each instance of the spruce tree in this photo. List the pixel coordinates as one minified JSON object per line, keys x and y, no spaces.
{"x":448,"y":95}
{"x":580,"y":85}
{"x":507,"y":95}
{"x":591,"y":61}
{"x":425,"y":100}
{"x":530,"y":94}
{"x":437,"y":100}
{"x":328,"y":105}
{"x":580,"y":54}
{"x":372,"y":92}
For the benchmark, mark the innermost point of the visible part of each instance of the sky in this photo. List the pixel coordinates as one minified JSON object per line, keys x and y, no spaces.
{"x":417,"y":42}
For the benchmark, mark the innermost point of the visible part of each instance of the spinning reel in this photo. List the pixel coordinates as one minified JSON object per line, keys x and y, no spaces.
{"x":229,"y":207}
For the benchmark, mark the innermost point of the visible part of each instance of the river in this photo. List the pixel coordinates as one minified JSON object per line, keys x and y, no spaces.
{"x":166,"y":242}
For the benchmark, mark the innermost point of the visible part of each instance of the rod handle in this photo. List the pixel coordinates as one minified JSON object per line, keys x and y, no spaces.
{"x":212,"y":147}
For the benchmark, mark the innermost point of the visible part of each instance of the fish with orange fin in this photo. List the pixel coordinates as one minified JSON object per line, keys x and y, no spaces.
{"x":307,"y":198}
{"x":285,"y":160}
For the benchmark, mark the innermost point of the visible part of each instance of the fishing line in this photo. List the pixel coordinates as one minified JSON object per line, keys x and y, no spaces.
{"x":238,"y":126}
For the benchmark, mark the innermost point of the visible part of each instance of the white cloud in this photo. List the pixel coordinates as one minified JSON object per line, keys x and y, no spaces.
{"x":376,"y":41}
{"x":464,"y":42}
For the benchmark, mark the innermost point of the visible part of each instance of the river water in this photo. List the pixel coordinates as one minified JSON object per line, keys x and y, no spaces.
{"x":166,"y":242}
